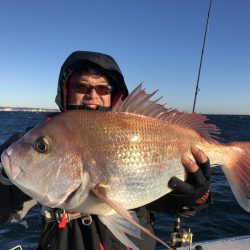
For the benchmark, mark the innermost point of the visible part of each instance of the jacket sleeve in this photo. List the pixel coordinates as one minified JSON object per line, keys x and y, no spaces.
{"x":12,"y":198}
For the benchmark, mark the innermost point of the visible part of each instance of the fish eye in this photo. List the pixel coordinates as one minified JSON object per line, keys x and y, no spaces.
{"x":42,"y":144}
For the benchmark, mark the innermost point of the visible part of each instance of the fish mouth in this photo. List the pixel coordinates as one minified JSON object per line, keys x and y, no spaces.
{"x":11,"y":172}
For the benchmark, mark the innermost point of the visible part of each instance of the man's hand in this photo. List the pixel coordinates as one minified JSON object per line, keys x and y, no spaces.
{"x":190,"y":196}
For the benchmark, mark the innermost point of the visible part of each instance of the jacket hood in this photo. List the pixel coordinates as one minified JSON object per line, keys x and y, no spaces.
{"x":79,"y":59}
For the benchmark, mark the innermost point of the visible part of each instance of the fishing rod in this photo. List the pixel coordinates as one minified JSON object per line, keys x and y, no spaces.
{"x":202,"y":52}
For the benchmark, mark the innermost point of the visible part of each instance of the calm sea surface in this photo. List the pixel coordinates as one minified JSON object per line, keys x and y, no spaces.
{"x":224,"y":218}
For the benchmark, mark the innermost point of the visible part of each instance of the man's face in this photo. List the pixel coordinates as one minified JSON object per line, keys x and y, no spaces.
{"x":90,"y":97}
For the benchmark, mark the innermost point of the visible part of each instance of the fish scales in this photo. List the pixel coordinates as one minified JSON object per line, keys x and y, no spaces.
{"x":135,"y":153}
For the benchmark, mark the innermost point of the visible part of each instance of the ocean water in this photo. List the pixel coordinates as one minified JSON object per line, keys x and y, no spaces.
{"x":224,"y":218}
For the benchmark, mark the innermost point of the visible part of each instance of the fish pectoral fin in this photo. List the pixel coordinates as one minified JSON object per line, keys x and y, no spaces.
{"x":120,"y":227}
{"x":100,"y":192}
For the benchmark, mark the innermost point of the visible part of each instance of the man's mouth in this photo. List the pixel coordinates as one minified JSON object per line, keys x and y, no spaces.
{"x":91,"y":105}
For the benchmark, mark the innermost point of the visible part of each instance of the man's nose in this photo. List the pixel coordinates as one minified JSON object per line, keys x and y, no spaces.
{"x":93,"y":94}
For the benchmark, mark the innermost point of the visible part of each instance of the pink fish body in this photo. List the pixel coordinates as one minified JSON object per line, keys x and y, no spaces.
{"x":108,"y":162}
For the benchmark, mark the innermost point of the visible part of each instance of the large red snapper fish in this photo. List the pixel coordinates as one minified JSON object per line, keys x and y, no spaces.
{"x":106,"y":163}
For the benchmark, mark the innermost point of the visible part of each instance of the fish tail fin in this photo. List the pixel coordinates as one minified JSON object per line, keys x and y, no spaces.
{"x":238,"y":173}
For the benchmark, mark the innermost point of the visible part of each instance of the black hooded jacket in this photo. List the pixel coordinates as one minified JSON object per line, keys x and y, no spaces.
{"x":76,"y":235}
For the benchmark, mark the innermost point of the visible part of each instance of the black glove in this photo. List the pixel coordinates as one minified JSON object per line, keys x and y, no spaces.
{"x":189,"y":197}
{"x":193,"y":195}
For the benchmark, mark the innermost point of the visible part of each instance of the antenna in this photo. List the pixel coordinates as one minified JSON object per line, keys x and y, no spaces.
{"x":202,"y":52}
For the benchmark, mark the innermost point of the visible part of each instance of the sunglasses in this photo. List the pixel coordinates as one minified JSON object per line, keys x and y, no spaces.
{"x":84,"y":88}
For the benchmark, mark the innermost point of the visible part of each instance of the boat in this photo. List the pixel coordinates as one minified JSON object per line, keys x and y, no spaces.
{"x":231,"y":243}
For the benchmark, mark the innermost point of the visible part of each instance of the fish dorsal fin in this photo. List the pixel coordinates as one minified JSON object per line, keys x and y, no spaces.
{"x":138,"y":102}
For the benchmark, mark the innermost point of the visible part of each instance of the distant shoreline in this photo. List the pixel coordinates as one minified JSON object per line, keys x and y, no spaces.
{"x":24,"y":109}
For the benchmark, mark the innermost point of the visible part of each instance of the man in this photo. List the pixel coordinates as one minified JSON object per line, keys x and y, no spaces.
{"x":90,"y":80}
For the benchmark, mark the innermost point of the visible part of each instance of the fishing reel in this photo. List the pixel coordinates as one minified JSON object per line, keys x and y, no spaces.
{"x":180,"y":237}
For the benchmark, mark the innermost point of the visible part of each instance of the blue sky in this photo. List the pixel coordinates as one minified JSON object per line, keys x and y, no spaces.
{"x":155,"y":42}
